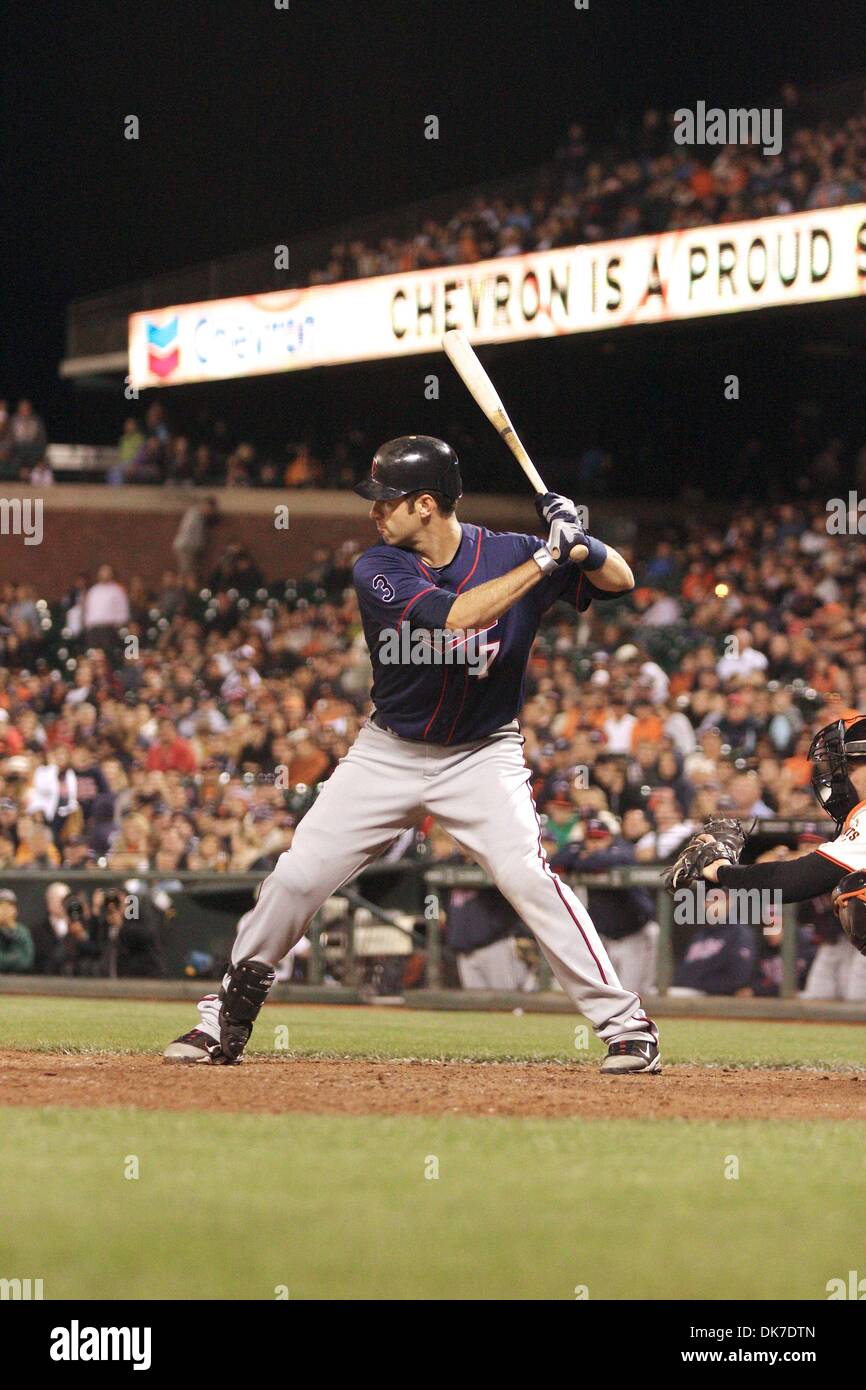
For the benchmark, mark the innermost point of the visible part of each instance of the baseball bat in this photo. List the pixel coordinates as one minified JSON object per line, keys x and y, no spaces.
{"x":466,"y":363}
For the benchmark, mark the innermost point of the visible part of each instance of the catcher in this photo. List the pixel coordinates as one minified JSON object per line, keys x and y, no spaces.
{"x":838,"y":866}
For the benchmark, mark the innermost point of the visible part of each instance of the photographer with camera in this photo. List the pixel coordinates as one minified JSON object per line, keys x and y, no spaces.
{"x":65,"y":941}
{"x":129,"y":937}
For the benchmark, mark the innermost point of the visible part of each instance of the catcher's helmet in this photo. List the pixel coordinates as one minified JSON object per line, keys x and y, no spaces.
{"x":830,"y":751}
{"x":849,"y":904}
{"x":414,"y":463}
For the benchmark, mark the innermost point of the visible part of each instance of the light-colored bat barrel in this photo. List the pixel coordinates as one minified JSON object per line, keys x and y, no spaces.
{"x":467,"y":364}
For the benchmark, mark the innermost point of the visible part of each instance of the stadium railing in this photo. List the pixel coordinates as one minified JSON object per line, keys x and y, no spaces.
{"x":362,"y":936}
{"x":76,"y":460}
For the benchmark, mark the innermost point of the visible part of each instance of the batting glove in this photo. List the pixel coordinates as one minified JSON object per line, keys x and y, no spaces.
{"x":563,"y":537}
{"x":552,"y":506}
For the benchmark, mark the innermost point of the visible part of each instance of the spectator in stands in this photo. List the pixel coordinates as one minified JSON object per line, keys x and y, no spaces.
{"x":155,"y":423}
{"x":640,"y":182}
{"x":480,"y":927}
{"x":29,"y":439}
{"x":91,"y":787}
{"x":17,"y":953}
{"x":191,"y":539}
{"x":77,"y":854}
{"x":53,"y":930}
{"x":721,"y":956}
{"x":106,"y":610}
{"x":767,"y":983}
{"x":131,"y":847}
{"x":54,"y":789}
{"x":748,"y":804}
{"x":632,"y":664}
{"x":619,"y":725}
{"x":610,"y":774}
{"x":9,"y":821}
{"x":170,"y":752}
{"x":259,"y":842}
{"x":23,"y":613}
{"x":208,"y":855}
{"x":6,"y":467}
{"x":180,"y":466}
{"x":170,"y":855}
{"x":36,"y":848}
{"x":837,"y":970}
{"x":624,"y":917}
{"x":561,"y":814}
{"x":58,"y":940}
{"x":236,"y":569}
{"x":670,"y":829}
{"x":128,"y":934}
{"x":303,"y":468}
{"x":129,"y":443}
{"x":41,"y":474}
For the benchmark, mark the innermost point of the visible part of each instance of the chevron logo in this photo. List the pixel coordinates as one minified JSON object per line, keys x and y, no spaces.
{"x":163,"y":353}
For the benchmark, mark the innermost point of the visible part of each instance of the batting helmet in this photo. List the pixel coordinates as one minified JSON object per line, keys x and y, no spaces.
{"x":830,"y":751}
{"x":849,"y":904}
{"x":414,"y":463}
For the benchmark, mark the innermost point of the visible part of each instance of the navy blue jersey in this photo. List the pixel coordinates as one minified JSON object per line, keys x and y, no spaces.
{"x":476,"y":917}
{"x":719,"y":960}
{"x":451,"y":687}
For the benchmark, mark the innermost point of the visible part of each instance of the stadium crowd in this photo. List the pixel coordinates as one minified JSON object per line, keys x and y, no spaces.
{"x":627,"y":184}
{"x":23,"y":442}
{"x":188,"y":727}
{"x":640,"y":182}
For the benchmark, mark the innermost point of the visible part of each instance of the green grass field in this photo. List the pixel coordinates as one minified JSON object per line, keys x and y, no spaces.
{"x":339,"y":1207}
{"x":122,"y":1025}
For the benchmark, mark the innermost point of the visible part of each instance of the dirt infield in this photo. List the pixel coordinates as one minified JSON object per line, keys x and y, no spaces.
{"x":358,"y":1087}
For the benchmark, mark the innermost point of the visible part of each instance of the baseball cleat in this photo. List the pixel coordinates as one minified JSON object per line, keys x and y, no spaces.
{"x":631,"y":1055}
{"x":196,"y":1046}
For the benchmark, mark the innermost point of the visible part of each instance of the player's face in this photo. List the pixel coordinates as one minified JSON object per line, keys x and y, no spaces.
{"x":394,"y":522}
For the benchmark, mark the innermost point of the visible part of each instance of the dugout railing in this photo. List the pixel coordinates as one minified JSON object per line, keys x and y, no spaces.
{"x":379,"y":935}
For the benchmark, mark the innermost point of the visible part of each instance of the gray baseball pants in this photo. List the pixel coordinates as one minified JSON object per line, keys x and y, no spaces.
{"x":480,"y":793}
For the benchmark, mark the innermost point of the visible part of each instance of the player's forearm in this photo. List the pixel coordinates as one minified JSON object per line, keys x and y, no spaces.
{"x":614,"y":576}
{"x":797,"y":880}
{"x":484,"y":604}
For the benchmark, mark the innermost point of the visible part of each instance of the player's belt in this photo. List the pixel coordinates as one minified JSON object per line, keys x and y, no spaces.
{"x":374,"y":719}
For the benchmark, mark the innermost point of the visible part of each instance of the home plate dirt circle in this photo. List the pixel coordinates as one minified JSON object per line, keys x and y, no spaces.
{"x":329,"y":1086}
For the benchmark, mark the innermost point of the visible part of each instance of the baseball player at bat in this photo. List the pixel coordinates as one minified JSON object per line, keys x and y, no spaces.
{"x":838,"y":866}
{"x":450,"y":612}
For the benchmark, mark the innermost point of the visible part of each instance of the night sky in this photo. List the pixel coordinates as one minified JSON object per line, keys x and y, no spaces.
{"x":258,"y":123}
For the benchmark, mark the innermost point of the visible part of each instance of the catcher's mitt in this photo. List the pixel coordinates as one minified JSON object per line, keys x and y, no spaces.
{"x":726,"y":841}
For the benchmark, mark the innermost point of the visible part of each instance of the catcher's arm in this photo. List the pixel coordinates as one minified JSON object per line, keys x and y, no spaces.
{"x":713,"y":855}
{"x":797,"y":880}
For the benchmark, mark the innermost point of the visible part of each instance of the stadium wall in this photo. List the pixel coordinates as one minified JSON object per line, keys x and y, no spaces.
{"x":133,"y":528}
